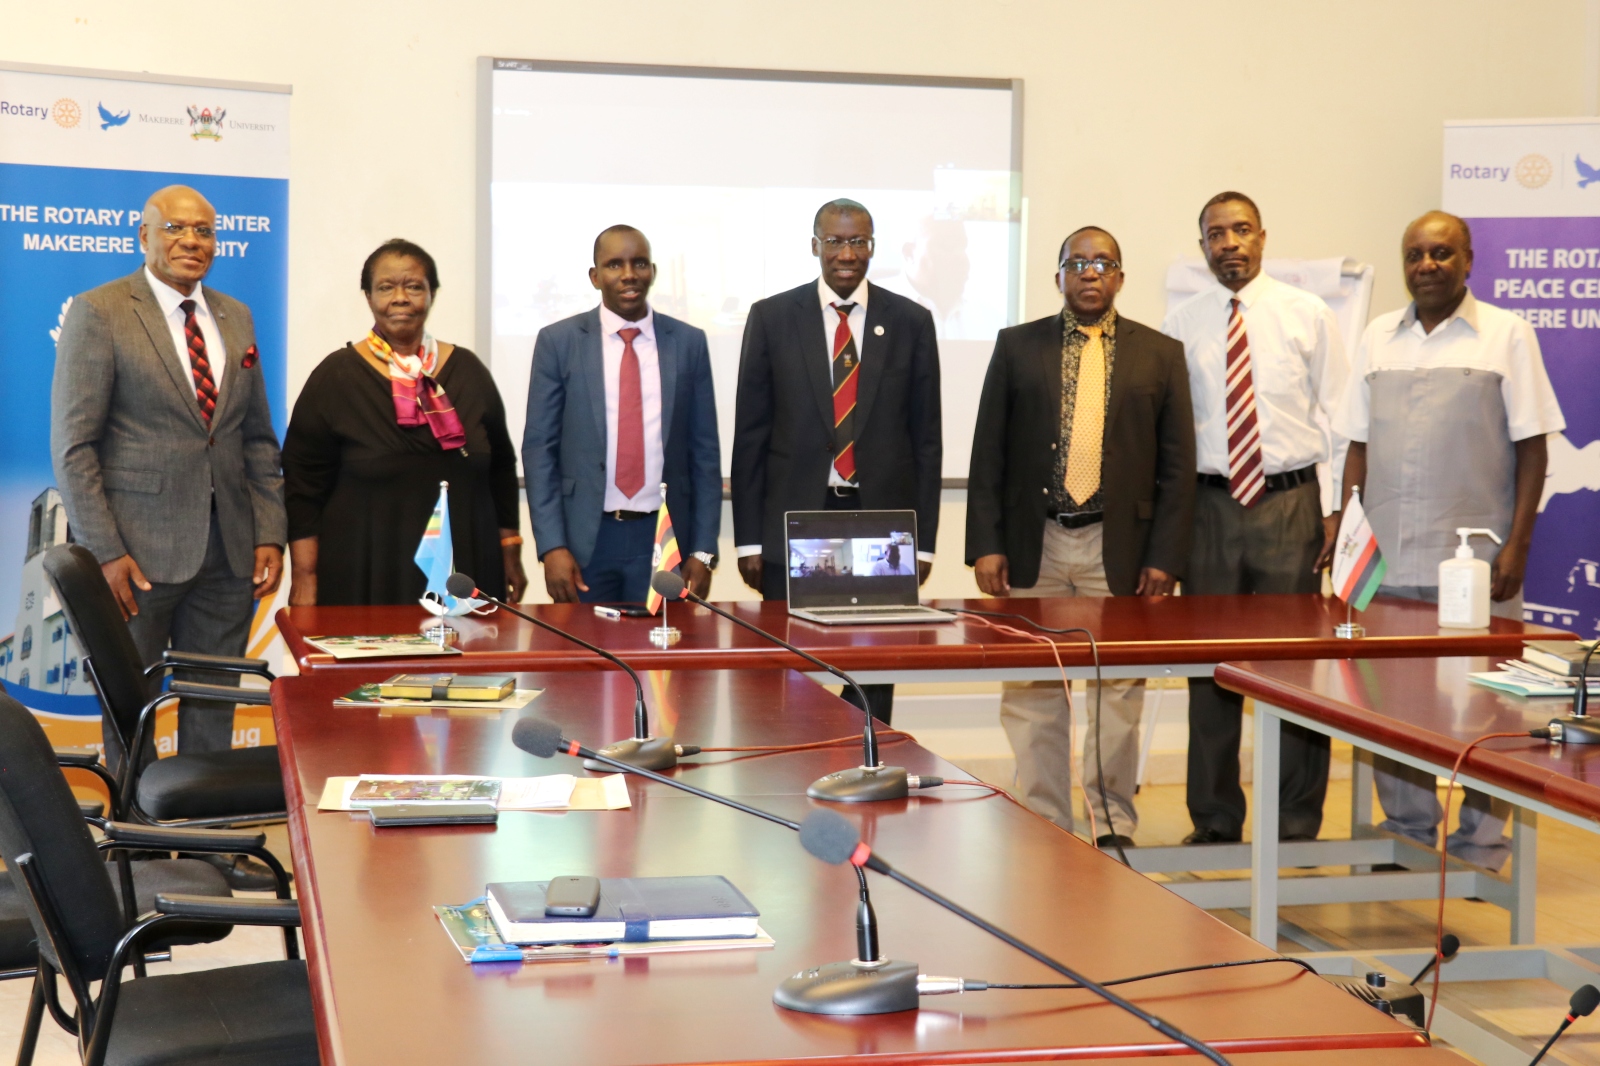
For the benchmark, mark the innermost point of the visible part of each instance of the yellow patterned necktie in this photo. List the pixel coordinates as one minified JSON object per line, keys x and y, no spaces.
{"x":1088,"y":419}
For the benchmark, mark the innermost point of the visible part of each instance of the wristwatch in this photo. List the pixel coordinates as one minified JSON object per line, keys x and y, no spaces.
{"x":706,"y":557}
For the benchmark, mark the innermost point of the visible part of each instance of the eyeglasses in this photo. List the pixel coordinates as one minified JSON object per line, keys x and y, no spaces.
{"x":1099,"y":266}
{"x":856,"y":244}
{"x":175,"y":230}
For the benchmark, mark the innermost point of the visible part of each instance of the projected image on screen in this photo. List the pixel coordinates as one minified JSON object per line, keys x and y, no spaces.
{"x":724,"y":175}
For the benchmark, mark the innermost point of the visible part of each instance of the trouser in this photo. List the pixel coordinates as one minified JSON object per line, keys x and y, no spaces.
{"x":775,"y":586}
{"x":1270,"y":547}
{"x":619,"y":568}
{"x":209,"y":613}
{"x":1410,"y":797}
{"x":1038,"y":718}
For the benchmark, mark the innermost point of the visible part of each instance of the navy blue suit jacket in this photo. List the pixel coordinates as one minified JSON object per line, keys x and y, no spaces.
{"x":564,"y":440}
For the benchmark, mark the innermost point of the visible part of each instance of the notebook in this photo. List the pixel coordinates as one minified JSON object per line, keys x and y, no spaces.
{"x":855,"y":568}
{"x":447,"y":687}
{"x":631,"y":909}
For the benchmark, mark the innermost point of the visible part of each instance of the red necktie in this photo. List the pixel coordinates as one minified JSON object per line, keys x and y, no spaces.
{"x":1247,"y":478}
{"x":205,"y":387}
{"x":846,"y":367}
{"x":630,"y":419}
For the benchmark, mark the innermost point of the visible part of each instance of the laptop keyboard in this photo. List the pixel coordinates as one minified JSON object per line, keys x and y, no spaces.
{"x":872,"y":610}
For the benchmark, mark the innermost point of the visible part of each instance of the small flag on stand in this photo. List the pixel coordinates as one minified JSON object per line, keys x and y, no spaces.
{"x":665,"y":556}
{"x":1358,"y":564}
{"x":436,"y":554}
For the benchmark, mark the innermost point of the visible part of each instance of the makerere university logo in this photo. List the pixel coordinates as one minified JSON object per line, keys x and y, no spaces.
{"x":66,"y":112}
{"x":1533,"y":171}
{"x":206,"y":124}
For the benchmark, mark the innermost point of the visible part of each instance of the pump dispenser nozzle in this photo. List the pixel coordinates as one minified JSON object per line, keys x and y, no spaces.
{"x":1464,"y":550}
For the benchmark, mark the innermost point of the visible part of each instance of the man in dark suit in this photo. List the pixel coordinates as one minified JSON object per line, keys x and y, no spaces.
{"x":620,"y":401}
{"x":1082,"y":484}
{"x":837,"y":409}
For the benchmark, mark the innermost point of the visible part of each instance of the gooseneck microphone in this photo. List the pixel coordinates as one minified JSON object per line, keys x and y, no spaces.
{"x":1582,"y":1004}
{"x":1449,"y":944}
{"x":641,"y":749}
{"x":832,"y":838}
{"x":869,"y":984}
{"x":860,"y":784}
{"x":1578,"y":727}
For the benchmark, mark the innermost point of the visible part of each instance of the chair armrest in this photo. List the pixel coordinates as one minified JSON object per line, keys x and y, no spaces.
{"x":176,"y":838}
{"x":224,"y":693}
{"x":232,"y":910}
{"x":80,"y":758}
{"x":91,"y":811}
{"x":195,"y":660}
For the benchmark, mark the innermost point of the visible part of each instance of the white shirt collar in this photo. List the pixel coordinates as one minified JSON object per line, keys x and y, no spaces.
{"x":1466,"y":311}
{"x":169,"y":298}
{"x":829,"y":297}
{"x":1247,"y":295}
{"x":611,"y":322}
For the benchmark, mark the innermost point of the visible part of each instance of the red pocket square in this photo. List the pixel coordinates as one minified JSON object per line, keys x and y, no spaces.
{"x":251,"y":357}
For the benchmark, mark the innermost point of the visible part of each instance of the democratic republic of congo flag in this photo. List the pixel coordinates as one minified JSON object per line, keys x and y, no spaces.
{"x":1358,"y":564}
{"x":666,"y":555}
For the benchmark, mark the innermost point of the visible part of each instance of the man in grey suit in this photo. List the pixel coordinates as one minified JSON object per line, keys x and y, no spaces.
{"x":165,"y":454}
{"x":620,"y":401}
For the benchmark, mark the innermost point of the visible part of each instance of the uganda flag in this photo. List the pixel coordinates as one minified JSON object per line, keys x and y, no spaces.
{"x":1358,"y":564}
{"x":665,"y":556}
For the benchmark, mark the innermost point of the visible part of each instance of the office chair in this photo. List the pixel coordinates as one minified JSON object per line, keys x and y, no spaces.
{"x":243,"y":786}
{"x":257,"y":1014}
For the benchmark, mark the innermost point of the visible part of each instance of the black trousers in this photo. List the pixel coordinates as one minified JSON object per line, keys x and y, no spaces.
{"x":775,"y":586}
{"x":1266,"y":548}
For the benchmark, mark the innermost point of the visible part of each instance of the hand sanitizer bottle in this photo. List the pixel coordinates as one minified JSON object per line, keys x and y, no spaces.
{"x":1464,"y":586}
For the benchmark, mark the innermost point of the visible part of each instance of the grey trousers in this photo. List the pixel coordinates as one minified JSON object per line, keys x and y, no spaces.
{"x":1038,"y":720}
{"x":209,"y":613}
{"x":1270,"y":547}
{"x":1410,"y":797}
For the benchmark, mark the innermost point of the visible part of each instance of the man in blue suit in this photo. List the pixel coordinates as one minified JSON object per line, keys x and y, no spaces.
{"x":620,"y":402}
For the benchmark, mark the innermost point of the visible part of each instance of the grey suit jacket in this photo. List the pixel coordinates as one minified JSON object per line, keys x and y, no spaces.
{"x":134,"y":460}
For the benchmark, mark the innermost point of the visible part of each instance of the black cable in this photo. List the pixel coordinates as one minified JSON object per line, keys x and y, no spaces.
{"x":1303,"y":964}
{"x":1099,"y":762}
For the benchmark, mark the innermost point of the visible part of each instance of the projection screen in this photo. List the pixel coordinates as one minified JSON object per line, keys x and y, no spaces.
{"x":723,"y":170}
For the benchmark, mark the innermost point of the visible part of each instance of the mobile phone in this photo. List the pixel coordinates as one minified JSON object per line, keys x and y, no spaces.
{"x":571,"y":897}
{"x":621,"y":610}
{"x":435,"y":813}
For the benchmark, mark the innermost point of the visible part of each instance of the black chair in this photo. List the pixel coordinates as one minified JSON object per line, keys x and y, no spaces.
{"x":239,"y":787}
{"x":258,"y":1014}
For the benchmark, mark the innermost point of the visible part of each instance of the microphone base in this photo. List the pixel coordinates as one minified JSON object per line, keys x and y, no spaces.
{"x":649,"y":753}
{"x":846,"y":988}
{"x":861,"y":784}
{"x":1578,"y":729}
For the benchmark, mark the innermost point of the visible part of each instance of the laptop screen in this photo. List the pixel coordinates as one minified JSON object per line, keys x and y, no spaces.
{"x":852,"y":558}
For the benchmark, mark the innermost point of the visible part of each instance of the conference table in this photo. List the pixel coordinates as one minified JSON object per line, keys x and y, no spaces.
{"x":389,"y":987}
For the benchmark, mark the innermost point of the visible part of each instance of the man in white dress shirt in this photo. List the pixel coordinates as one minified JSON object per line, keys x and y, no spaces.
{"x":1447,"y":412}
{"x":1266,"y":367}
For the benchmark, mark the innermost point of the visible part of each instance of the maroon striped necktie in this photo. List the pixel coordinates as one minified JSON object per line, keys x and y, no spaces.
{"x":205,"y":386}
{"x":846,"y":375}
{"x":630,"y":418}
{"x":1247,"y":477}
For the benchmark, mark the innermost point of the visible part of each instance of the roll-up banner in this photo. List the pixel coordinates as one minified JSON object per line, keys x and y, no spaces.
{"x":80,"y":152}
{"x":1530,"y":190}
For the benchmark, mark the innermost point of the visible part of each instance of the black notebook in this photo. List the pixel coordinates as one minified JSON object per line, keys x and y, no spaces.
{"x":631,"y":908}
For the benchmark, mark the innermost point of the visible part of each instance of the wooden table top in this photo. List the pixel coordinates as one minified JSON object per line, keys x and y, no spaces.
{"x":1132,"y":630}
{"x":1428,"y":708}
{"x":390,"y":988}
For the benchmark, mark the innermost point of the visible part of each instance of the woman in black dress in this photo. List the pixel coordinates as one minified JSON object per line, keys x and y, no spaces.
{"x":379,"y":424}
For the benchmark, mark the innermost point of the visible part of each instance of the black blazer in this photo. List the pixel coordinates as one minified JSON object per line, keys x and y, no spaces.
{"x":783,"y":422}
{"x":1148,"y":474}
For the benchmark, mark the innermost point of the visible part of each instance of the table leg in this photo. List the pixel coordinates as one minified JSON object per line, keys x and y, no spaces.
{"x":1264,"y":827}
{"x":1524,"y":876}
{"x":1360,"y":799}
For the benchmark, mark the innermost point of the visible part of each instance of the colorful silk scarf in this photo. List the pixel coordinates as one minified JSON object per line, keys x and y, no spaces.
{"x":417,"y":396}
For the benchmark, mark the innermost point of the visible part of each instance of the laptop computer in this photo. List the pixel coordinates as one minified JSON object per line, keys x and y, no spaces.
{"x":855,"y":568}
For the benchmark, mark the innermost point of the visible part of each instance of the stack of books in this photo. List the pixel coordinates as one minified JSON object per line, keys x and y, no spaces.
{"x":1547,"y":668}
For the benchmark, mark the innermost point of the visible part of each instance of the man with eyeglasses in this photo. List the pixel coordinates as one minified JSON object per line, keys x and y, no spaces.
{"x":1266,"y":369}
{"x":837,"y":408}
{"x":1081,"y":484}
{"x":165,"y":454}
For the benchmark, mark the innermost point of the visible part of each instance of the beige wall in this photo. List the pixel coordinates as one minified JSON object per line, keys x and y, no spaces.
{"x":1329,"y":114}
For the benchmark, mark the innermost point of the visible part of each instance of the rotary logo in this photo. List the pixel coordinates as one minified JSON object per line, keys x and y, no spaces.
{"x":66,"y":113}
{"x":206,"y":124}
{"x":1533,"y":171}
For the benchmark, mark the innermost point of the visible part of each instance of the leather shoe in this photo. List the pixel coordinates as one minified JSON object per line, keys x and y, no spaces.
{"x":1113,"y":840}
{"x":1207,"y":835}
{"x":242,"y":873}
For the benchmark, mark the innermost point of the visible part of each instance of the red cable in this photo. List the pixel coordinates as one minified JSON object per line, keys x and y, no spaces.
{"x":1444,"y":825}
{"x":886,"y":736}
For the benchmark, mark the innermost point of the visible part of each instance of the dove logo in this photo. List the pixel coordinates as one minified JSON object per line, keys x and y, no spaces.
{"x":1587,"y":175}
{"x":108,"y":120}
